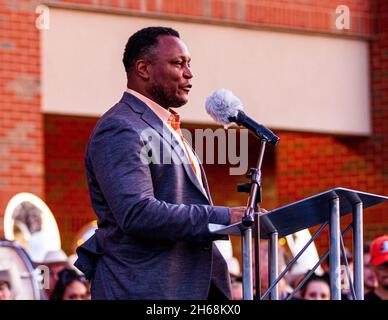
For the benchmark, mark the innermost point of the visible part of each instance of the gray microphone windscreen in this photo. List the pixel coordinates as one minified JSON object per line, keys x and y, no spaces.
{"x":223,"y":104}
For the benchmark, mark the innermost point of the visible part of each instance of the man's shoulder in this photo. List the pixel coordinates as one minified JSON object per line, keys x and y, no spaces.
{"x":120,"y":116}
{"x":123,"y":112}
{"x":120,"y":111}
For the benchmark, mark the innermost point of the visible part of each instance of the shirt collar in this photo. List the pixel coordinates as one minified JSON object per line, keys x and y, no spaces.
{"x":164,"y":114}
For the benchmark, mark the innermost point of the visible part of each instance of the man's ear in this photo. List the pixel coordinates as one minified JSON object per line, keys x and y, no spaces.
{"x":142,"y":68}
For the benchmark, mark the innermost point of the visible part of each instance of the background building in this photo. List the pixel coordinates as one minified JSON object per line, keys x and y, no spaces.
{"x":319,"y":83}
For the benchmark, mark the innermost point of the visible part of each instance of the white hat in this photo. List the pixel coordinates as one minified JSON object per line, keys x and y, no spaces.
{"x":55,"y":256}
{"x":234,"y":266}
{"x":226,"y":250}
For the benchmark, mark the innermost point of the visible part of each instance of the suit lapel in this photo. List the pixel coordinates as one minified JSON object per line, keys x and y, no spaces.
{"x":203,"y":176}
{"x":157,"y":124}
{"x":205,"y":184}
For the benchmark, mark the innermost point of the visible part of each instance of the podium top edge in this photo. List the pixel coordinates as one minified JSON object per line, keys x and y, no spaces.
{"x":307,"y":212}
{"x":360,"y":192}
{"x":334,"y":194}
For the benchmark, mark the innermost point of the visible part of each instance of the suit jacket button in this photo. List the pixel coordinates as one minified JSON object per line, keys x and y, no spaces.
{"x":207,"y":247}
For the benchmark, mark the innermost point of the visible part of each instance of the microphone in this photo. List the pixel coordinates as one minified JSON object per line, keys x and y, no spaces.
{"x":225,"y":108}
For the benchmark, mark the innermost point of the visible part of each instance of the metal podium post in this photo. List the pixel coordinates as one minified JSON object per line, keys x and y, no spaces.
{"x":273,"y":254}
{"x":358,"y":251}
{"x":249,"y":223}
{"x":247,"y":264}
{"x":335,"y":262}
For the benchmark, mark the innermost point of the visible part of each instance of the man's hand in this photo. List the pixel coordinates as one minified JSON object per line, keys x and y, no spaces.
{"x":237,"y":213}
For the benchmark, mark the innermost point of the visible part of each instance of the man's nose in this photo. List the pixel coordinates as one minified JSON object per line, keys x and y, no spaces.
{"x":187,"y":73}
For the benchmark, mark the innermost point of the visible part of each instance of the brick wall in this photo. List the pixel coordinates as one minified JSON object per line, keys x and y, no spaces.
{"x":65,"y":180}
{"x":21,"y":133}
{"x":310,"y":163}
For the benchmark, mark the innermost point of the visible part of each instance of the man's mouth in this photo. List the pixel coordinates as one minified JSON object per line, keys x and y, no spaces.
{"x":186,"y":88}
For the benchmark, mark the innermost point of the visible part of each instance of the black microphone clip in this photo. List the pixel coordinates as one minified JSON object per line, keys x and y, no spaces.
{"x":259,"y":130}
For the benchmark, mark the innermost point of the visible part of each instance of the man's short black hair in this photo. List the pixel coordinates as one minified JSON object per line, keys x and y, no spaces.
{"x":314,"y":277}
{"x":142,"y":41}
{"x":65,"y":278}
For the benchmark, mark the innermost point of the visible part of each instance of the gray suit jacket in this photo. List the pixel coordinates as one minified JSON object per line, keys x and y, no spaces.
{"x":152,"y":240}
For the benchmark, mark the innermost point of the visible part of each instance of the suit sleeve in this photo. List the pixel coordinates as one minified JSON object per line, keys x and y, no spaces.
{"x":126,"y":183}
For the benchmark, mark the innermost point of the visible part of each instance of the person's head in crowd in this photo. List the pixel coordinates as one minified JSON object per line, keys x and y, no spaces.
{"x":316,"y":288}
{"x":370,"y":279}
{"x":379,"y":261}
{"x":56,"y":261}
{"x":5,"y":285}
{"x":70,"y":286}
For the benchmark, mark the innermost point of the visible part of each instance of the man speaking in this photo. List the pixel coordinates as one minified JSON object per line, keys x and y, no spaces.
{"x":152,"y":240}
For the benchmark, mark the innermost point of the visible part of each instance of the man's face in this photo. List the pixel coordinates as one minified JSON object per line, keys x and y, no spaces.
{"x":170,"y":73}
{"x":75,"y":291}
{"x":317,"y":290}
{"x":5,"y":291}
{"x":381,"y":272}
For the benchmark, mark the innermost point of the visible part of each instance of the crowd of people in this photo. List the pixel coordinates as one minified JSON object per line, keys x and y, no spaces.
{"x":65,"y":282}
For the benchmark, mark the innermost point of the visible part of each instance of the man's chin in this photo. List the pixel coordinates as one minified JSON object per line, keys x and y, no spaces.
{"x":179,"y":103}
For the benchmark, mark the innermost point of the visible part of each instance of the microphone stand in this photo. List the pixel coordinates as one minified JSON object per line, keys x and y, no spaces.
{"x":251,"y":222}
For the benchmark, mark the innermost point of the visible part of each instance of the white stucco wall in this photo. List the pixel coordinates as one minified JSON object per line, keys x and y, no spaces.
{"x":286,"y":80}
